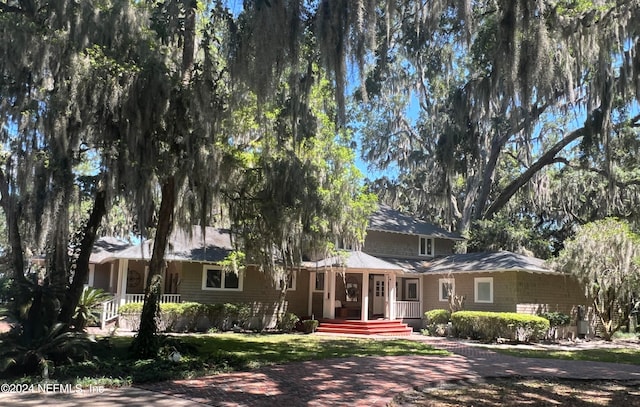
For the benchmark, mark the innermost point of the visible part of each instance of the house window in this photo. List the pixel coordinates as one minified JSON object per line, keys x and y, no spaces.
{"x":319,"y":286}
{"x":446,"y":287}
{"x":411,"y":289}
{"x":483,"y":289}
{"x":217,"y":279}
{"x":291,"y":281}
{"x":425,"y":247}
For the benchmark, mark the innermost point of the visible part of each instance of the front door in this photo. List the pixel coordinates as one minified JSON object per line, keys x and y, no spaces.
{"x":379,"y":293}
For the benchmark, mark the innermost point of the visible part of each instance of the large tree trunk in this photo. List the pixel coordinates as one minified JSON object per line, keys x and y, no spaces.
{"x":82,"y":262}
{"x":145,"y":344}
{"x":13,"y":232}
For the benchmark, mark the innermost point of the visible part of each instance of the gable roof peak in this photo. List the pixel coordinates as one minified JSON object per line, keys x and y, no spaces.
{"x":387,"y":219}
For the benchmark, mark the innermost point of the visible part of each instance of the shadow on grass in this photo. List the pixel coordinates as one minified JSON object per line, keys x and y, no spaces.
{"x":522,"y":391}
{"x":203,"y":355}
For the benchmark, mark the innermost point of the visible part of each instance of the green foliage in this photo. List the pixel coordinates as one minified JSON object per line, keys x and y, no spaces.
{"x":607,"y":355}
{"x":437,"y":316}
{"x":6,"y":288}
{"x":604,"y":257}
{"x":490,"y":326}
{"x":235,"y":261}
{"x":288,"y":322}
{"x":503,"y":232}
{"x":204,"y":355}
{"x":436,"y":321}
{"x":88,"y":309}
{"x":556,"y":319}
{"x":193,"y":316}
{"x":310,"y":325}
{"x":295,"y":187}
{"x":20,"y":356}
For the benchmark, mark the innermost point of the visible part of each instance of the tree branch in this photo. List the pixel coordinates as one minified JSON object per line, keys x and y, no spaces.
{"x":544,"y":160}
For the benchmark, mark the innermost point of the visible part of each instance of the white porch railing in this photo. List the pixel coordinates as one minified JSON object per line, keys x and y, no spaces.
{"x":109,"y":312}
{"x":170,"y":298}
{"x":163,"y":299}
{"x":111,"y":307}
{"x":408,"y":309}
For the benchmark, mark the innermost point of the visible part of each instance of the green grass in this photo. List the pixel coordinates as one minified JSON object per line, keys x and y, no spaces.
{"x":614,"y":355}
{"x":203,"y":355}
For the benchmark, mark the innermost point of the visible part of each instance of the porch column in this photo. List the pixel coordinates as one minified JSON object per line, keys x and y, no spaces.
{"x":332,"y":293}
{"x":421,"y":294}
{"x":92,"y":275}
{"x":364,"y":312}
{"x":111,"y":266}
{"x":329,"y":294}
{"x":392,"y":296}
{"x":312,"y":285}
{"x":123,"y":265}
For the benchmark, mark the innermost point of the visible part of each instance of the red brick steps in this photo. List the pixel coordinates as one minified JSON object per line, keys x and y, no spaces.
{"x":374,"y":327}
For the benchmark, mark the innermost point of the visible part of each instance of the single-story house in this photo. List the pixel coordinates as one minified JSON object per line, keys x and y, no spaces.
{"x":406,"y":267}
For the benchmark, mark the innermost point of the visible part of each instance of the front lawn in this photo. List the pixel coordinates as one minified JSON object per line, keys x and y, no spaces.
{"x":210,"y":354}
{"x":613,"y":355}
{"x":515,"y":392}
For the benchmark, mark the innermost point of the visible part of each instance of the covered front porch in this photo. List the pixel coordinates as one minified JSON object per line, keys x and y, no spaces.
{"x":126,"y":279}
{"x":361,"y":287}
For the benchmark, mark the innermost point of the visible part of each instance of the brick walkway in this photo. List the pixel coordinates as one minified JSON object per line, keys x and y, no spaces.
{"x":366,"y":381}
{"x":374,"y":381}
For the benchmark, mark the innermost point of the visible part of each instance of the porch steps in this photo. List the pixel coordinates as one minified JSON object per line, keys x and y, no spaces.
{"x":374,"y":327}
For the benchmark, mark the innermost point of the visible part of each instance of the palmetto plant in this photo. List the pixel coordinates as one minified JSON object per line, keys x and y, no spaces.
{"x":87,"y":311}
{"x":57,"y":345}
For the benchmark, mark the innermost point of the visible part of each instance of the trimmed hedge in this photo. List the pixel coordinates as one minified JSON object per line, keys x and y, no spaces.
{"x":192,"y":316}
{"x":493,"y":325}
{"x":436,"y":321}
{"x":437,"y":316}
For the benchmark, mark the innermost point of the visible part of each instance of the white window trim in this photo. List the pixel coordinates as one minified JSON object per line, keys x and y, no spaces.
{"x":315,"y":289}
{"x":475,"y":289}
{"x":294,"y":275}
{"x":406,"y":289}
{"x":223,"y":275}
{"x":446,"y":281}
{"x":433,"y":246}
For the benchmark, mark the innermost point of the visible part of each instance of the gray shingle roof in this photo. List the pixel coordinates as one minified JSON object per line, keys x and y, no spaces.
{"x":212,"y":246}
{"x":475,"y":262}
{"x":106,"y":248}
{"x":355,"y":260}
{"x":457,"y":263}
{"x":390,"y":220}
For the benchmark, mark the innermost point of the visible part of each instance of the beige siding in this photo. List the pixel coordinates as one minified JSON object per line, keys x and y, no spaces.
{"x":257,"y":289}
{"x":548,"y":293}
{"x":504,"y":293}
{"x":512,"y":292}
{"x":101,"y":273}
{"x":401,"y":245}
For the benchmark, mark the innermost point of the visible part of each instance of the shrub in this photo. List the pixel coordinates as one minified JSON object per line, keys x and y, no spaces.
{"x":310,"y":325}
{"x":191,"y":316}
{"x":88,"y":309}
{"x":288,"y":322}
{"x":556,"y":319}
{"x":21,"y":355}
{"x":493,"y":325}
{"x":436,"y":321}
{"x":437,"y":316}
